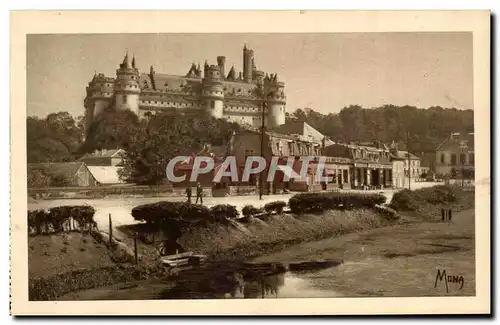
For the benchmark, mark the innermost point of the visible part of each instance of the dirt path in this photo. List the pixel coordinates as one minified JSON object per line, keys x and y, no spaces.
{"x":393,"y":261}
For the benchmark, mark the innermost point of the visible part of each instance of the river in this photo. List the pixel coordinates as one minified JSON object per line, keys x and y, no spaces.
{"x":396,"y":261}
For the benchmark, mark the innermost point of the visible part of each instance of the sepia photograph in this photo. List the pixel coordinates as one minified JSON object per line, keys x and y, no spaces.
{"x":253,"y":166}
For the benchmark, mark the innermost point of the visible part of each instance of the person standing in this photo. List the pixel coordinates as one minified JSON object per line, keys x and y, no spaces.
{"x":199,"y":193}
{"x":189,"y":193}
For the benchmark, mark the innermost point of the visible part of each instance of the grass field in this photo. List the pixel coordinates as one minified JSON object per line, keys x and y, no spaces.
{"x":50,"y":255}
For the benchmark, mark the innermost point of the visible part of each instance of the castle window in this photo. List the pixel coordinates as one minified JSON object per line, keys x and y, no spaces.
{"x":212,"y":104}
{"x":124,"y":99}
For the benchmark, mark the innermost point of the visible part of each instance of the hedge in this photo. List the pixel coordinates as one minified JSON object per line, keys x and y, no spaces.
{"x":182,"y":213}
{"x":319,"y":202}
{"x":59,"y":219}
{"x":275,"y":207}
{"x":250,"y":210}
{"x":224,"y":211}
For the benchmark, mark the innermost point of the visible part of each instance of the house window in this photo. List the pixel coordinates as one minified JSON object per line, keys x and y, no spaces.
{"x":471,"y":158}
{"x":290,"y":149}
{"x":442,"y":158}
{"x":453,"y":159}
{"x":462,"y":158}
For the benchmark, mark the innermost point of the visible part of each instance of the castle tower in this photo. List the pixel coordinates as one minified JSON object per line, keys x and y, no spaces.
{"x":221,"y":62}
{"x":213,"y":91}
{"x":247,"y":64}
{"x":127,"y":88}
{"x":99,"y":96}
{"x":275,"y":100}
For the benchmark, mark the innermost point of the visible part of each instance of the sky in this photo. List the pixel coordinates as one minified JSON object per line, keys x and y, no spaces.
{"x":325,"y":72}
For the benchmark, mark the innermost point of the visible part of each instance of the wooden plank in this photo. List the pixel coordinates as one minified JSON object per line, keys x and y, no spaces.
{"x":175,"y":262}
{"x":177,"y":256}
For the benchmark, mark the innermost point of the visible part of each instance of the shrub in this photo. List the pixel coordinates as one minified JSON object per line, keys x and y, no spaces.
{"x":172,"y":216}
{"x":404,"y":200}
{"x":40,"y":221}
{"x":165,"y":211}
{"x":319,"y":202}
{"x":250,"y":210}
{"x":275,"y":206}
{"x":407,"y":200}
{"x":224,"y":211}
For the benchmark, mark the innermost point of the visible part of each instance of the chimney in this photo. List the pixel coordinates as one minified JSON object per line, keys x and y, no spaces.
{"x":221,"y":61}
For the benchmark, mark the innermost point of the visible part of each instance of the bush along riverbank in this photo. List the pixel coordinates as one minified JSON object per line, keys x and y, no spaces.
{"x":426,"y":203}
{"x":219,"y":233}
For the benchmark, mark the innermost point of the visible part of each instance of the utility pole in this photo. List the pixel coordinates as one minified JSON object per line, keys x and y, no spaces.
{"x":464,"y":153}
{"x":409,"y":160}
{"x":261,"y":180}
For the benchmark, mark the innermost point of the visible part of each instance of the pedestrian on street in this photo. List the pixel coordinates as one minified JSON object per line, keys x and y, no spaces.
{"x":188,"y":194}
{"x":199,"y":193}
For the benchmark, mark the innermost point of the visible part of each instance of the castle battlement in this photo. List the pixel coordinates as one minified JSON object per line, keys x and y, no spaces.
{"x":236,"y":96}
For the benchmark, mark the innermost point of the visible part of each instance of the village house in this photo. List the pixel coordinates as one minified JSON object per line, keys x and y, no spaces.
{"x":106,"y":157}
{"x":185,"y":168}
{"x":302,"y":129}
{"x":455,"y":156}
{"x":105,"y":165}
{"x":398,"y":170}
{"x":371,"y":165}
{"x":64,"y":174}
{"x":293,"y":147}
{"x":283,"y":147}
{"x":412,"y":165}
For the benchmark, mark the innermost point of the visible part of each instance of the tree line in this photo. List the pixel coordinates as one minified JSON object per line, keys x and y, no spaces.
{"x":427,"y":128}
{"x":151,"y":142}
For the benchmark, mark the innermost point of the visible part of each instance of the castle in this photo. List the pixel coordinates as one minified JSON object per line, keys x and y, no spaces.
{"x":236,"y":97}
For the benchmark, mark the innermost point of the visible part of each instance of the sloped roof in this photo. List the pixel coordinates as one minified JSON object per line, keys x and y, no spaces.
{"x":456,"y":141}
{"x":105,"y":174}
{"x":404,"y":155}
{"x":171,"y":83}
{"x":304,"y":129}
{"x":66,"y":169}
{"x":105,"y":153}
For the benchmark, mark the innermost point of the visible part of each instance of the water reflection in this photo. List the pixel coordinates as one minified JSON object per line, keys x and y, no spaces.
{"x":249,"y":281}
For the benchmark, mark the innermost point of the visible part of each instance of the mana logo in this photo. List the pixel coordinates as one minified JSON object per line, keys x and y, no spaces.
{"x":449,"y":279}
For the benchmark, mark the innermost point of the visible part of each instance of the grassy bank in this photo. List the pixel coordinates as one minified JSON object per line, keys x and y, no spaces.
{"x":64,"y":262}
{"x":257,"y":236}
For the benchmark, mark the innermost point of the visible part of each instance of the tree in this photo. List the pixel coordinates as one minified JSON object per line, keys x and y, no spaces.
{"x":162,"y":137}
{"x":111,"y":130}
{"x":56,"y":137}
{"x":38,"y":179}
{"x":428,"y":127}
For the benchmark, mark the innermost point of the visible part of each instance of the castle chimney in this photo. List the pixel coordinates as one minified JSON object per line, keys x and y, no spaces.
{"x":221,"y":61}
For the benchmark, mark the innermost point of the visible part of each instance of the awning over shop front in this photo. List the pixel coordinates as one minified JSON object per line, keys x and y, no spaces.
{"x":372,"y":166}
